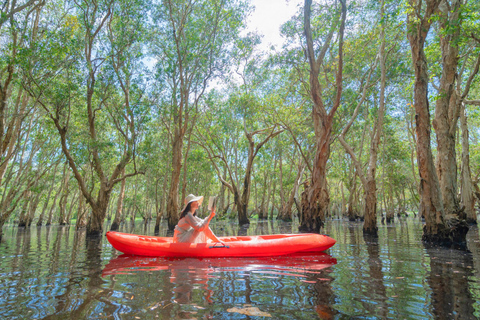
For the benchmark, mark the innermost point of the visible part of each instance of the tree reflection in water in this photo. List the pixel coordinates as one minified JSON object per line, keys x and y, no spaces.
{"x":82,"y":291}
{"x":58,"y":273}
{"x":197,"y":284}
{"x":451,"y":296}
{"x":376,"y":284}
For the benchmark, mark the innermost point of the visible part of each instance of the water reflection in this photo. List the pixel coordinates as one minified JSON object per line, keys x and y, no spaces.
{"x":229,"y":281}
{"x":59,"y":273}
{"x":451,"y":296}
{"x":376,"y":285}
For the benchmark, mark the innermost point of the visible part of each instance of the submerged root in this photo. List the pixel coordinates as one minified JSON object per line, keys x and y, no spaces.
{"x":453,"y":234}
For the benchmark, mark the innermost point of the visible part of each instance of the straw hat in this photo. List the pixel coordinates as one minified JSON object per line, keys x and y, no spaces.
{"x":191,"y":198}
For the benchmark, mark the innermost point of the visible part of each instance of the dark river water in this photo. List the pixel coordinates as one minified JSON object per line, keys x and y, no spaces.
{"x":55,"y":273}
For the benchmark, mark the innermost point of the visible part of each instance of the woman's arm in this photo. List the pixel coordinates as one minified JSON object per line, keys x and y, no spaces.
{"x":197,"y":223}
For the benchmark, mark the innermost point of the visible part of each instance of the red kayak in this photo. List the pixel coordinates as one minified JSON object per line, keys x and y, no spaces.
{"x":244,"y":246}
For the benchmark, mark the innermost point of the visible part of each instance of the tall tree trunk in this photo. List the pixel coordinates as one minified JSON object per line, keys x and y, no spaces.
{"x":54,"y":205}
{"x":273,"y":199}
{"x":317,"y":197}
{"x":221,"y":202}
{"x":161,"y":210}
{"x":22,"y":220}
{"x":271,"y":186}
{"x":389,"y":206}
{"x":351,"y":213}
{"x":172,"y":202}
{"x":287,"y":210}
{"x":466,"y":194}
{"x":343,"y":209}
{"x":63,"y":200}
{"x":33,"y":208}
{"x":370,"y":223}
{"x":446,"y":113}
{"x":72,"y":205}
{"x":99,"y":211}
{"x":185,"y":168}
{"x":81,"y":213}
{"x":118,"y":213}
{"x":242,"y":203}
{"x":44,"y":210}
{"x":281,"y":189}
{"x":262,"y":213}
{"x":429,"y":186}
{"x":435,"y":229}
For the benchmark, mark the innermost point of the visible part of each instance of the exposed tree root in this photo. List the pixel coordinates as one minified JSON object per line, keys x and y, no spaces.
{"x":452,"y":235}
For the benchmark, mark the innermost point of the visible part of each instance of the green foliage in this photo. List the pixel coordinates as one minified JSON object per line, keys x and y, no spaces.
{"x":154,"y":66}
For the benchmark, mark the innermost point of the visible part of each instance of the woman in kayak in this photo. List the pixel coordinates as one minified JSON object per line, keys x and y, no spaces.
{"x":191,"y":228}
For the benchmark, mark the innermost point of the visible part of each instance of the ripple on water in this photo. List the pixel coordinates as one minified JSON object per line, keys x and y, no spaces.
{"x":50,"y":271}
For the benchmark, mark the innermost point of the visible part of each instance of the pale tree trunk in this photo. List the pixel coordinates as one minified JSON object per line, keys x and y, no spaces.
{"x":242,"y":202}
{"x":9,"y":142}
{"x":72,"y":205}
{"x":467,"y":197}
{"x":389,"y":207}
{"x":63,"y":200}
{"x":44,"y":210}
{"x":81,"y":213}
{"x":351,"y":211}
{"x":281,"y":191}
{"x":446,"y":109}
{"x":466,"y":194}
{"x":242,"y":205}
{"x":118,"y":213}
{"x":22,"y":220}
{"x":221,"y":202}
{"x":185,"y":168}
{"x":32,"y":209}
{"x":10,"y":128}
{"x":172,"y":202}
{"x":23,"y":181}
{"x":286,"y":212}
{"x":272,"y":206}
{"x":370,"y":223}
{"x":54,"y":205}
{"x":317,"y":199}
{"x":435,"y":229}
{"x":161,"y":210}
{"x":262,"y":213}
{"x":410,"y":118}
{"x":270,"y":187}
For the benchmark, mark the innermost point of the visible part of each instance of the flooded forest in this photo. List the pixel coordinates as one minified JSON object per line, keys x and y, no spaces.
{"x":113,"y":111}
{"x":363,"y":125}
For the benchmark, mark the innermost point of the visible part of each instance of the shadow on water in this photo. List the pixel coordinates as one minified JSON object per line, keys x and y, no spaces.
{"x":58,"y":273}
